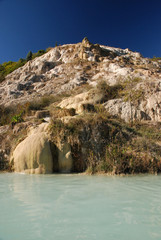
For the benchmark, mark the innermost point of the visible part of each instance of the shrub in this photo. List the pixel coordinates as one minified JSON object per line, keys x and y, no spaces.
{"x":6,"y":114}
{"x":38,"y":54}
{"x":40,"y":103}
{"x":2,"y":77}
{"x":12,"y":113}
{"x":128,"y":91}
{"x":155,"y":58}
{"x":29,"y":56}
{"x":8,"y":67}
{"x":107,"y":92}
{"x":17,"y":118}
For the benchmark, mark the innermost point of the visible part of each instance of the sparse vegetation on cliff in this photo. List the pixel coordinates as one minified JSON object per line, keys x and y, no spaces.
{"x":109,"y":145}
{"x":8,"y":67}
{"x":107,"y":92}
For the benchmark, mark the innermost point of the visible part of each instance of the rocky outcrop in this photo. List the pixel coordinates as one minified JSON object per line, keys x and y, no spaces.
{"x":33,"y":155}
{"x":125,"y":110}
{"x":67,"y":67}
{"x":83,"y":101}
{"x":93,"y":52}
{"x":75,"y":102}
{"x":37,"y":155}
{"x":142,"y":102}
{"x":83,"y":87}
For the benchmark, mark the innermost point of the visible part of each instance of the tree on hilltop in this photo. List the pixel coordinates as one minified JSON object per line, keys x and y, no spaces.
{"x":29,"y":56}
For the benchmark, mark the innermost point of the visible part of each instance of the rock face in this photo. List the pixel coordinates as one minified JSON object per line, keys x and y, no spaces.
{"x":67,"y":67}
{"x":75,"y":102}
{"x":3,"y":160}
{"x":125,"y":110}
{"x":65,"y":160}
{"x":33,"y":155}
{"x":88,"y":82}
{"x":144,"y":103}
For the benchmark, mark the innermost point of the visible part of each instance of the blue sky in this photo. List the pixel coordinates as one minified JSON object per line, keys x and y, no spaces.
{"x":37,"y":24}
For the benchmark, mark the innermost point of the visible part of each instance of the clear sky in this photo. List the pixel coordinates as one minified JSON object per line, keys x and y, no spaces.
{"x":37,"y":24}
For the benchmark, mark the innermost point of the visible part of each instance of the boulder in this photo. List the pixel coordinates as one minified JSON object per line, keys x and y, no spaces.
{"x":74,"y":102}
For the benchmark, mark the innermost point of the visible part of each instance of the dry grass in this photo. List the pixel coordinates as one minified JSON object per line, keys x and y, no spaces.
{"x":110,"y":145}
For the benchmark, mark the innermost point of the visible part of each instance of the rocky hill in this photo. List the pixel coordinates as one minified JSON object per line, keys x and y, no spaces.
{"x":100,"y":107}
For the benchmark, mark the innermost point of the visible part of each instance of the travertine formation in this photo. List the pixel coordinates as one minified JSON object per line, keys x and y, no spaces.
{"x":79,"y":69}
{"x":66,"y":67}
{"x":33,"y":154}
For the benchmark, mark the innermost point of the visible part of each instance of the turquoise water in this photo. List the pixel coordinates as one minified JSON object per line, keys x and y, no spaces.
{"x":71,"y":207}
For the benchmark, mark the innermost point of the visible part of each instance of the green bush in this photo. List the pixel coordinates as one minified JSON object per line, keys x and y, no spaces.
{"x":8,"y":67}
{"x":17,"y":118}
{"x":29,"y":56}
{"x":155,"y":58}
{"x":38,"y":54}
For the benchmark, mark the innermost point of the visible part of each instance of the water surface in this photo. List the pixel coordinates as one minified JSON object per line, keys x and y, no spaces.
{"x":71,"y":207}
